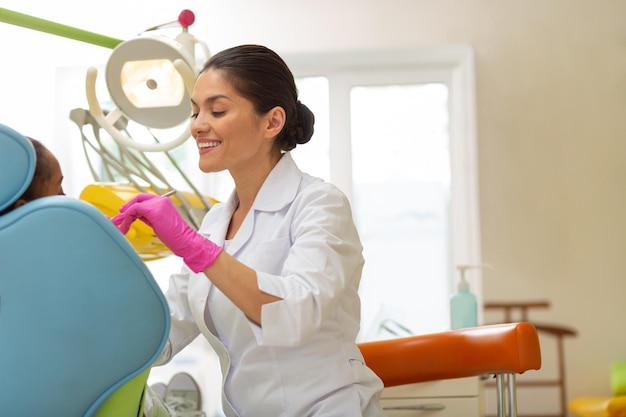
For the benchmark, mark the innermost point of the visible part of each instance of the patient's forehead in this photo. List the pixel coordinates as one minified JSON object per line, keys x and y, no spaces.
{"x":51,"y":184}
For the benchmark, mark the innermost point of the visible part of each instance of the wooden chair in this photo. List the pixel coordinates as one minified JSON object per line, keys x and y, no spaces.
{"x":503,"y":350}
{"x":519,"y":310}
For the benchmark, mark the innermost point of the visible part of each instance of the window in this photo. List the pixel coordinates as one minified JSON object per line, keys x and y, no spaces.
{"x":394,"y":131}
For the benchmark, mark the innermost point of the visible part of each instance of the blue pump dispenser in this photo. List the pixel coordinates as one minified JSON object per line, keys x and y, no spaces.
{"x":463,"y":304}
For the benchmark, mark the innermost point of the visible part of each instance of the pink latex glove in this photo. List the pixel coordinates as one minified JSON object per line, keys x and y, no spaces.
{"x":161,"y":214}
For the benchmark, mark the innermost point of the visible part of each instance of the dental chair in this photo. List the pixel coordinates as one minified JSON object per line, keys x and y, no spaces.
{"x":81,"y":317}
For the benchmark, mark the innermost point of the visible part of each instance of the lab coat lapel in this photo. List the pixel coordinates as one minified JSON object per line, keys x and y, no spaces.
{"x":244,"y":233}
{"x":216,"y":231}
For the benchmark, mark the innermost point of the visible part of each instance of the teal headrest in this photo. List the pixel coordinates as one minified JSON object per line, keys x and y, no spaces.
{"x":17,"y":165}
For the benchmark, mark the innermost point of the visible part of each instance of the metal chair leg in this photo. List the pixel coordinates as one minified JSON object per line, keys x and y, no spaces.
{"x":500,"y":394}
{"x":512,"y":394}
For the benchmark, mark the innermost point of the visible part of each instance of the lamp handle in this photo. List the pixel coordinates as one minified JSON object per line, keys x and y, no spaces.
{"x":189,"y":42}
{"x":187,"y":74}
{"x":121,"y":138}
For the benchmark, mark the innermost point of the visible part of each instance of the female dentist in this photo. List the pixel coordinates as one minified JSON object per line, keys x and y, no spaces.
{"x":271,"y":278}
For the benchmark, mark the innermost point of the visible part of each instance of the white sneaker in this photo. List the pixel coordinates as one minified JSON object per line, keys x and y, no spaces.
{"x":183,"y":396}
{"x":159,"y":388}
{"x":154,"y":404}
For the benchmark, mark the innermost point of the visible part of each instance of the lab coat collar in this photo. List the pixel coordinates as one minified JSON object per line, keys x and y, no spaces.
{"x":280,"y":186}
{"x":278,"y":190}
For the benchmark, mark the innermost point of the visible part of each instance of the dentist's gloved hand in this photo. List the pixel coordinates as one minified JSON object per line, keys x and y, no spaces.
{"x":161,"y":214}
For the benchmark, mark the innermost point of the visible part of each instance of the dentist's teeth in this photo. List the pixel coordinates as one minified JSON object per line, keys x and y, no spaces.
{"x":207,"y":145}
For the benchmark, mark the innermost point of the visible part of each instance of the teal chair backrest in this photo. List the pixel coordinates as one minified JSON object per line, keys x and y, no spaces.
{"x":81,"y":316}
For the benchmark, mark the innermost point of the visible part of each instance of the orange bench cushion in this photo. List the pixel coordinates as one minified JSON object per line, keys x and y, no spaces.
{"x":497,"y":348}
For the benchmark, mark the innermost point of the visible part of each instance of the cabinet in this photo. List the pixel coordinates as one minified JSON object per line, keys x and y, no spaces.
{"x":446,"y":398}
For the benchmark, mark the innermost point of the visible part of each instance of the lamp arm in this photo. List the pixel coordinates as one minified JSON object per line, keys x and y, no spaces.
{"x":189,"y":77}
{"x":90,"y":88}
{"x":53,"y":28}
{"x":121,"y":138}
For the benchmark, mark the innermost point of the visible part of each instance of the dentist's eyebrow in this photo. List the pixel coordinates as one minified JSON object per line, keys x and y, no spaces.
{"x":211,"y":99}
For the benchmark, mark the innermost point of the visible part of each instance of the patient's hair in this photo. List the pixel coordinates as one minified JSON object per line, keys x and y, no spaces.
{"x":43,"y":171}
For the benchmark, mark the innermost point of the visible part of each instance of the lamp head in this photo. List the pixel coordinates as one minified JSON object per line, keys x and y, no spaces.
{"x":145,"y":85}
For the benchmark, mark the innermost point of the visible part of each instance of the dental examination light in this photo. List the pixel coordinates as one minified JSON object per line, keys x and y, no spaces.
{"x":149,"y":79}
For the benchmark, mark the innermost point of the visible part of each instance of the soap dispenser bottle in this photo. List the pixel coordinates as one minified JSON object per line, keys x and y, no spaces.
{"x":463,"y":304}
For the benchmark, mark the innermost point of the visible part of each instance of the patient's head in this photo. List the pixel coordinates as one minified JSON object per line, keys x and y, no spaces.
{"x":47,"y":180}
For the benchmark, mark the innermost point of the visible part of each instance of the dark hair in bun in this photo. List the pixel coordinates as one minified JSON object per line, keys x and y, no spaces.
{"x":261,"y":76}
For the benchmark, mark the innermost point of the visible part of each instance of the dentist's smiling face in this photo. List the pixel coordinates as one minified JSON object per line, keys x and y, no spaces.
{"x":225,"y":125}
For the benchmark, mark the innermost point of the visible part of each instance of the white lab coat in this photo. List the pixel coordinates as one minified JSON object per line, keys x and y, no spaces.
{"x":300,"y":238}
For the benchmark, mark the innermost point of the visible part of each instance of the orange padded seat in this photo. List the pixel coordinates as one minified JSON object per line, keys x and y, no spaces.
{"x":476,"y":351}
{"x":500,"y":349}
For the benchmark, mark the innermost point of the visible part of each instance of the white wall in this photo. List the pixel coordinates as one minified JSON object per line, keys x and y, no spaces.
{"x":551,"y":100}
